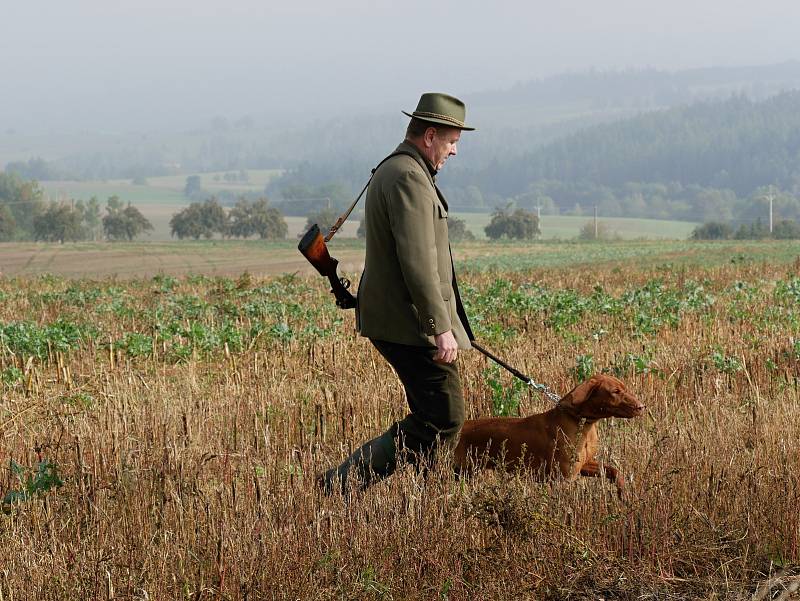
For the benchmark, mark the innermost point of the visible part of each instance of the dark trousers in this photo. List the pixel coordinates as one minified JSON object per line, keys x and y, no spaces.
{"x":433,"y":391}
{"x":434,"y":396}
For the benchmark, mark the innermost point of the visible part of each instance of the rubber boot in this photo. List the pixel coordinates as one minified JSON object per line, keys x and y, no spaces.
{"x":373,"y":461}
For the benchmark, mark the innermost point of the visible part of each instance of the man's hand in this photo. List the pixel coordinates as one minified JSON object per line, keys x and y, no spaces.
{"x":447,"y":347}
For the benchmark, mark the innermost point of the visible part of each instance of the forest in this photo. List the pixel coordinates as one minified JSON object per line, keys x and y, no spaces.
{"x":707,"y":160}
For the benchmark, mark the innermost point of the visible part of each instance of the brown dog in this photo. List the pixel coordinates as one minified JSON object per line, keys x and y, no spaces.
{"x":560,"y":441}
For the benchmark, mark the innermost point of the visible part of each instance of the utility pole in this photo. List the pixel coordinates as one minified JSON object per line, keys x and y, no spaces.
{"x":771,"y":197}
{"x":595,"y":222}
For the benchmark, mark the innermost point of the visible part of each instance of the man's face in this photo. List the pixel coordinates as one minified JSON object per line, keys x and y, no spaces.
{"x":441,"y":144}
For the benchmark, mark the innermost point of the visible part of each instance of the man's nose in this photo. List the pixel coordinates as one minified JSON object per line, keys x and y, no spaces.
{"x":454,"y":150}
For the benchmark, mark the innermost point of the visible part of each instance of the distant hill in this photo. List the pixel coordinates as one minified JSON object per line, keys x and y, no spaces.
{"x":641,"y":89}
{"x":511,"y":123}
{"x":738,"y":144}
{"x":521,"y":129}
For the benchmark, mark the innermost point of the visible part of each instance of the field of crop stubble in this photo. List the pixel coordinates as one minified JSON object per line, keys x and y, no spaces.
{"x":159,"y":438}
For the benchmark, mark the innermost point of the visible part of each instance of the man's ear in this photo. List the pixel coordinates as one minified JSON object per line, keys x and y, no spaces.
{"x":429,"y":136}
{"x":582,"y":391}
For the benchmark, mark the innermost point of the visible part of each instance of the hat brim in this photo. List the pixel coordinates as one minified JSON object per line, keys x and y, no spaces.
{"x":439,"y":121}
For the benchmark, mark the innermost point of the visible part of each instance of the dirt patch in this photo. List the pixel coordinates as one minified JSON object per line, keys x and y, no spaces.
{"x":146,"y":260}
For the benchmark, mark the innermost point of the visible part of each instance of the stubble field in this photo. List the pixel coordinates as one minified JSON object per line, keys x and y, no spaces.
{"x":160,"y":435}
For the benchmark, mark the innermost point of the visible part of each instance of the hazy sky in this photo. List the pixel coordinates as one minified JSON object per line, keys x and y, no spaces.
{"x":117,"y":65}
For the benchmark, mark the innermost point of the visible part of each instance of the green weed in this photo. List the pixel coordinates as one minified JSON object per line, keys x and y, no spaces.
{"x":583,"y":368}
{"x":725,"y":363}
{"x":505,"y":399}
{"x":630,"y":364}
{"x":136,"y":345}
{"x":32,"y":482}
{"x":27,"y":339}
{"x":81,"y":400}
{"x":10,"y":376}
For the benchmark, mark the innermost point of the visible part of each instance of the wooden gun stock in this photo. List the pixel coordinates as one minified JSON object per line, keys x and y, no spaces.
{"x":313,"y":248}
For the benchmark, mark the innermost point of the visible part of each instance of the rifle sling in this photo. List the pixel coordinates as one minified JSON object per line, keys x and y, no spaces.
{"x":343,"y":217}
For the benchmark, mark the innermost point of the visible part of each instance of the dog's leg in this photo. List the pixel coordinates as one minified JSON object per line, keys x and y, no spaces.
{"x":596,"y":470}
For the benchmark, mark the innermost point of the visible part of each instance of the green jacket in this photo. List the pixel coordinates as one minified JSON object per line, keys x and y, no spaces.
{"x":406,"y":293}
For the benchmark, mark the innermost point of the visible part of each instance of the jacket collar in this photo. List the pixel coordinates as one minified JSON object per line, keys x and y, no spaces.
{"x":408,"y":147}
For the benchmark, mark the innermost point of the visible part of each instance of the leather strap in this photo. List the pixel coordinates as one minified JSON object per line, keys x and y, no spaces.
{"x":343,"y":217}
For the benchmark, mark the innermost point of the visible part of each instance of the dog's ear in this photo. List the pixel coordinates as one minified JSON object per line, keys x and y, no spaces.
{"x":581,"y":392}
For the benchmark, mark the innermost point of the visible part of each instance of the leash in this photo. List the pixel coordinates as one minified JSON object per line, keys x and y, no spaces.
{"x":543,"y":388}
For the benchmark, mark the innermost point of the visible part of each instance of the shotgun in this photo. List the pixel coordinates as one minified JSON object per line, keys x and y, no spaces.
{"x":313,"y":247}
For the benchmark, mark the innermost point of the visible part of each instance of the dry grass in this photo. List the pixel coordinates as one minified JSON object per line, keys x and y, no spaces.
{"x":193,"y":479}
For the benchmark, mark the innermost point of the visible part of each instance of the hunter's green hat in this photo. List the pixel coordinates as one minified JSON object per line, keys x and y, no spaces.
{"x":442,"y":109}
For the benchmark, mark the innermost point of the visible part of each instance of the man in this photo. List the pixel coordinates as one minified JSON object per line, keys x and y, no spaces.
{"x":408,"y":303}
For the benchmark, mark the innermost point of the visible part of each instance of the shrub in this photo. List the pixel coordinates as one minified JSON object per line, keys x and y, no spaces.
{"x":521,"y":224}
{"x":193,"y":186}
{"x":457,"y":230}
{"x":604,"y":232}
{"x":787,"y":229}
{"x":249,"y":218}
{"x":712,"y":230}
{"x":324,"y":218}
{"x":59,"y":223}
{"x":125,"y":224}
{"x":8,"y":224}
{"x":752,"y":231}
{"x":200,"y":219}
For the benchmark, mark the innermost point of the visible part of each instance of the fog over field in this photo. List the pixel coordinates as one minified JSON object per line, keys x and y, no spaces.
{"x":683,"y":111}
{"x":144,"y":66}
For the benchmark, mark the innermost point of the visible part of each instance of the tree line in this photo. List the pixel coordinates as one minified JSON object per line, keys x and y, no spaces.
{"x":245,"y":219}
{"x":25,"y":215}
{"x":692,"y":163}
{"x":785,"y":229}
